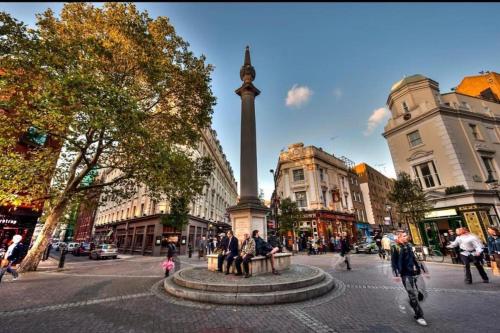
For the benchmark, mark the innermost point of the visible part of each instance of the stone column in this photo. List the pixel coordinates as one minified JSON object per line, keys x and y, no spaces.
{"x":249,"y":214}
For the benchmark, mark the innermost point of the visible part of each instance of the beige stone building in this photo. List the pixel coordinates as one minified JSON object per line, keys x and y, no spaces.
{"x":450,"y":143}
{"x":319,"y":183}
{"x":135,"y":225}
{"x":381,"y":212}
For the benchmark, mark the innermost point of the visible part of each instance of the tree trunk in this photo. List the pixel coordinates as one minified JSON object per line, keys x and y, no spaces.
{"x":32,"y":259}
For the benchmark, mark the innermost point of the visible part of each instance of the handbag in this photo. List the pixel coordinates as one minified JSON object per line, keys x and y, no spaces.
{"x":168,"y":264}
{"x":4,"y":263}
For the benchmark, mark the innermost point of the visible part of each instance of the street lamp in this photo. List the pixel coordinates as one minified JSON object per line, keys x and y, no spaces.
{"x":388,"y":208}
{"x":275,"y":203}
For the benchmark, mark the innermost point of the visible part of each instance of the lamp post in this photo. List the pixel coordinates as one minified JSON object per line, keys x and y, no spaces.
{"x":388,"y":208}
{"x":493,"y":185}
{"x":276,"y":200}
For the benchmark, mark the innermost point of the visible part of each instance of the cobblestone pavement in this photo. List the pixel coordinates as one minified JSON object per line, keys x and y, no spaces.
{"x":125,"y":295}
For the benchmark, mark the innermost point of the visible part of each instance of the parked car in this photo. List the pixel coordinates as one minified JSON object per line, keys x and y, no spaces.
{"x":104,"y":251}
{"x":71,"y":246}
{"x":367,"y":247}
{"x":83,"y":249}
{"x":57,"y":245}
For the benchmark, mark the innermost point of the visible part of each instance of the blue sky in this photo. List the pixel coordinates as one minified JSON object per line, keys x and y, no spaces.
{"x":335,"y":61}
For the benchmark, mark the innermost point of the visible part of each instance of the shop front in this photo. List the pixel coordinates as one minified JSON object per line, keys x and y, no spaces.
{"x":433,"y":229}
{"x":335,"y":223}
{"x":148,"y":236}
{"x":20,"y":221}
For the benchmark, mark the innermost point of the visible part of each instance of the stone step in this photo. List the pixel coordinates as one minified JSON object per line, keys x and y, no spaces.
{"x":261,"y":286}
{"x":251,"y":298}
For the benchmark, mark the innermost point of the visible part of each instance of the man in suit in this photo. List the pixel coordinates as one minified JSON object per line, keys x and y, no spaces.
{"x":232,"y":250}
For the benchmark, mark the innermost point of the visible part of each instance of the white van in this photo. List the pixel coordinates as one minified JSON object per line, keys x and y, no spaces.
{"x":71,"y":246}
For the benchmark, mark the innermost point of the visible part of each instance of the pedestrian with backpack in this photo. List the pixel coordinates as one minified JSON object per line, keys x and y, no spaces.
{"x":406,"y":268}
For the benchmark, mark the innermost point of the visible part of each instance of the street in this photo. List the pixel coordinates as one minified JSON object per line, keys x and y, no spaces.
{"x":125,"y":295}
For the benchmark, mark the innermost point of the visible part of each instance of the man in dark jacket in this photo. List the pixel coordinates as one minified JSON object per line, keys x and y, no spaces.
{"x":406,"y":267}
{"x":232,"y":250}
{"x":345,"y":248}
{"x":14,"y":255}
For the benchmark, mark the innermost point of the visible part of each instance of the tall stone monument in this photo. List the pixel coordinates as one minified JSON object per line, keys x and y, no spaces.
{"x":249,"y":214}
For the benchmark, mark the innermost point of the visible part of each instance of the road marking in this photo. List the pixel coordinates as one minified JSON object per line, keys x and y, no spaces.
{"x":365,"y":286}
{"x":103,"y":275}
{"x":72,"y":305}
{"x":311,"y":323}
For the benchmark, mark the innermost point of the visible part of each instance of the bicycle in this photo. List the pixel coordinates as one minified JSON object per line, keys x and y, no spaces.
{"x":433,"y":254}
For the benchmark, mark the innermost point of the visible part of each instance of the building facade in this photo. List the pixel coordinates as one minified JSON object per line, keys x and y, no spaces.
{"x":320,"y":184}
{"x":135,"y":224}
{"x":381,"y":212}
{"x":484,"y":86}
{"x":448,"y":142}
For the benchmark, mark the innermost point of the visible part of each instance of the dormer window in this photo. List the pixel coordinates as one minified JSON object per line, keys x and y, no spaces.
{"x":406,"y":109}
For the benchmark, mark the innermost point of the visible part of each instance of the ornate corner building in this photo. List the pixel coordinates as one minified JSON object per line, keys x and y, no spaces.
{"x":450,"y":143}
{"x":325,"y":187}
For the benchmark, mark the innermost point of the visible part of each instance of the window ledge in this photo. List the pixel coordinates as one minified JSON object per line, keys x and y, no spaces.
{"x":417,"y":146}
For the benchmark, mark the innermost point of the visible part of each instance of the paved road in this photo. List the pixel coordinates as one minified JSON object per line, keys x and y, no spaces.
{"x":124,"y":295}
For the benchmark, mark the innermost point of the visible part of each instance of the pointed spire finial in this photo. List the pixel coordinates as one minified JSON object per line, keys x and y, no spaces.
{"x":247,"y":72}
{"x":247,"y":56}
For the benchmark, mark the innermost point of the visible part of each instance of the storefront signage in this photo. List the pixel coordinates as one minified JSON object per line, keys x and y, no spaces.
{"x":6,"y":220}
{"x":440,"y":213}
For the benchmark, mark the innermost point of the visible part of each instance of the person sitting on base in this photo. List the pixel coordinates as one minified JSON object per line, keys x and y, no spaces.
{"x":265,"y":249}
{"x":232,"y":250}
{"x":221,"y":251}
{"x":247,"y":252}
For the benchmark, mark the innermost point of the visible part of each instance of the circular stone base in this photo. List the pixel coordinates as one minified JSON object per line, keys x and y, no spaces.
{"x":297,"y":283}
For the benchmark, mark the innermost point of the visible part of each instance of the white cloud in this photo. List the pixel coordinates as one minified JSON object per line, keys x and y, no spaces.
{"x":378,"y":116}
{"x":298,"y":96}
{"x":337,"y":92}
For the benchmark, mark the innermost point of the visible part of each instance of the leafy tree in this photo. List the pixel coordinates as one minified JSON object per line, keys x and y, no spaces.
{"x":409,"y":198}
{"x":290,"y":216}
{"x":178,"y":216}
{"x":119,"y":91}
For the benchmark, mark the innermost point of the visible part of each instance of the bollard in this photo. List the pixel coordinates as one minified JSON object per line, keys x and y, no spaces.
{"x":62,"y":258}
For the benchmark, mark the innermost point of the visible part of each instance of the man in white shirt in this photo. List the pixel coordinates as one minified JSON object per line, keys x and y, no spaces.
{"x":472,"y":248}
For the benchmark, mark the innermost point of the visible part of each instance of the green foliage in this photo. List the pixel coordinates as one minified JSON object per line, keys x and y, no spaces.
{"x":409,"y":198}
{"x":178,"y":216}
{"x":118,"y":90}
{"x":455,"y":189}
{"x":290,"y":215}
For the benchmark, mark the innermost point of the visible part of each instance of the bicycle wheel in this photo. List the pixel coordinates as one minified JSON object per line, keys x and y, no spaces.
{"x":436,"y":256}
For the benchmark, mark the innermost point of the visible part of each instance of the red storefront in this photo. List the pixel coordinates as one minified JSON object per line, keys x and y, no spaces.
{"x":331,"y":223}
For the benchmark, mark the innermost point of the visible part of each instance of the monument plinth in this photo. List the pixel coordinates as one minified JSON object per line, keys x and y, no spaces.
{"x":249,"y":214}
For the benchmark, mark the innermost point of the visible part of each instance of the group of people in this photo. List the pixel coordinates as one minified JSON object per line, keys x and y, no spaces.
{"x":383,"y":244}
{"x":228,"y":250}
{"x":207,"y":246}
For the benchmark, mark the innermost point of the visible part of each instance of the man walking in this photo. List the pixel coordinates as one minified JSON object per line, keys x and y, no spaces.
{"x":386,"y":246}
{"x":202,"y":245}
{"x":345,"y":248}
{"x":378,"y":240}
{"x":472,"y":249}
{"x":406,"y":267}
{"x":12,"y":257}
